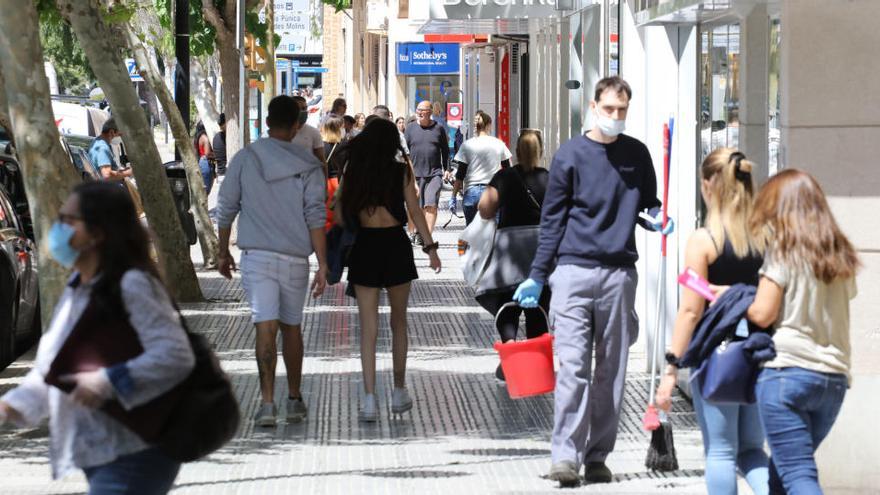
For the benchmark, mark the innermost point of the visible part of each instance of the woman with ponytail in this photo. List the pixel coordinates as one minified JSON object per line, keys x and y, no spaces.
{"x":724,"y":253}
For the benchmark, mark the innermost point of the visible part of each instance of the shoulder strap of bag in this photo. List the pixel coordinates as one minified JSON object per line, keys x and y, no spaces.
{"x":333,"y":150}
{"x":526,"y":187}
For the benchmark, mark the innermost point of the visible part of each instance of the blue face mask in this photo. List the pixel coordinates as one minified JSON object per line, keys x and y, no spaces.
{"x":59,"y":244}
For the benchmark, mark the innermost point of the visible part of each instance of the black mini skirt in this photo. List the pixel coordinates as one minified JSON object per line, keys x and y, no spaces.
{"x":381,"y":257}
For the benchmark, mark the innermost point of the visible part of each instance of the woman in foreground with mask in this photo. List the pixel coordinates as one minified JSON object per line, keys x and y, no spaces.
{"x":98,"y":235}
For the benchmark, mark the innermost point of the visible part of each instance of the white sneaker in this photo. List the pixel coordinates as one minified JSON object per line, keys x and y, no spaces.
{"x":400,"y":401}
{"x":296,"y":410}
{"x":369,"y":411}
{"x":265,"y":415}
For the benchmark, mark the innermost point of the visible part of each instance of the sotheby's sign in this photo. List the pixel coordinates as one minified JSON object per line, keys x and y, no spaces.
{"x":428,"y":58}
{"x":491,"y":9}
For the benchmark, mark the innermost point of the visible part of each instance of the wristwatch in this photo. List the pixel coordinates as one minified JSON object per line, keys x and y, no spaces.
{"x":671,"y":359}
{"x":429,"y":247}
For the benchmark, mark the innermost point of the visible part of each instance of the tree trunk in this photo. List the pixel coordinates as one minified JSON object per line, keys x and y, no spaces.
{"x":48,"y":173}
{"x":199,"y":204}
{"x":269,"y":69}
{"x":230,"y":58}
{"x":203,"y":95}
{"x":102,"y":50}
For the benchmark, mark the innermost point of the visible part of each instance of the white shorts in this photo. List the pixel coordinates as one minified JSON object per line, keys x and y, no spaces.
{"x":275,"y":284}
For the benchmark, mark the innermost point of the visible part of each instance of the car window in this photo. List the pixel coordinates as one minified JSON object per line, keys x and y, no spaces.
{"x":77,"y":159}
{"x":87,"y":164}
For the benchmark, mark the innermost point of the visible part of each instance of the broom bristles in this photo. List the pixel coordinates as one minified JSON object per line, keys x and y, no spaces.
{"x":661,"y":452}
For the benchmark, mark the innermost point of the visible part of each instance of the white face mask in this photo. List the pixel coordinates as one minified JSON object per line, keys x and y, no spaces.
{"x":610,"y":127}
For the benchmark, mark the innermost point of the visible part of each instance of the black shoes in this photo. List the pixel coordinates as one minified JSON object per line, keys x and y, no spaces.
{"x":499,"y":374}
{"x":597,"y":472}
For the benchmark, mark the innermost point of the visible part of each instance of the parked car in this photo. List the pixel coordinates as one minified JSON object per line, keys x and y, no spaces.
{"x":19,"y":294}
{"x":78,"y":148}
{"x":13,"y":183}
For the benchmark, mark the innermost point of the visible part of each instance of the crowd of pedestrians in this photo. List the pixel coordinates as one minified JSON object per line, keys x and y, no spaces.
{"x":378,"y":178}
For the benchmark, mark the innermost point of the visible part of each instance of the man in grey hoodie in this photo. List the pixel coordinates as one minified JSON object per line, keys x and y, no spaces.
{"x":278,"y":189}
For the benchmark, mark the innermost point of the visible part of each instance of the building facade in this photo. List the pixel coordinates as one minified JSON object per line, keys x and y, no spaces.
{"x":788,"y":82}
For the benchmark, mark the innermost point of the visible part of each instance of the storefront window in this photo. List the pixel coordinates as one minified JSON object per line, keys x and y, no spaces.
{"x":443,"y":89}
{"x":774,"y":124}
{"x":719,"y":99}
{"x":613,"y":9}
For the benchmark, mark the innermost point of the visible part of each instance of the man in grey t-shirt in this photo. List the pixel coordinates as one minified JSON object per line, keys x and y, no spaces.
{"x":429,"y":151}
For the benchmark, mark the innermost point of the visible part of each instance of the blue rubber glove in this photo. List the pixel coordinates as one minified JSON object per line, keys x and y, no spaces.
{"x":657,"y":224}
{"x":528,"y":293}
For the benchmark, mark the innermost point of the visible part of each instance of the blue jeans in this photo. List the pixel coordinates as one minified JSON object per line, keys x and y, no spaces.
{"x":732,"y":438}
{"x":207,"y":173}
{"x":470,"y":202}
{"x":148,"y":472}
{"x":798,"y":408}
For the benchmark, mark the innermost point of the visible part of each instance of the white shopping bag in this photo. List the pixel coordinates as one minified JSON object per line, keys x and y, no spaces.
{"x":474,"y":247}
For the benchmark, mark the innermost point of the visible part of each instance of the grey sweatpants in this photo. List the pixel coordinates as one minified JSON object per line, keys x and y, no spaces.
{"x":591,"y":308}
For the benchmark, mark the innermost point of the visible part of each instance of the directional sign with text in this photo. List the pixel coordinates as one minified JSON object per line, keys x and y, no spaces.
{"x":133,"y":73}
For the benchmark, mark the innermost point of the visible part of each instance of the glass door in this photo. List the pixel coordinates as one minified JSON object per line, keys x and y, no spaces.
{"x":719,"y":98}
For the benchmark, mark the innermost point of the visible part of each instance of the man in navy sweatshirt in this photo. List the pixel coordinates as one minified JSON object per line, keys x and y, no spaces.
{"x":599,"y":183}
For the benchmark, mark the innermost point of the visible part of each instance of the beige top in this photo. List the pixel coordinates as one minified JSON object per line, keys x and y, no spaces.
{"x":812,"y":331}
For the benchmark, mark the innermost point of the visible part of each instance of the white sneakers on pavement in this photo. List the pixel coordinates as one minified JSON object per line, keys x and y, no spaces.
{"x":265,"y":415}
{"x":369,"y":411}
{"x":296,"y":410}
{"x":400,"y":401}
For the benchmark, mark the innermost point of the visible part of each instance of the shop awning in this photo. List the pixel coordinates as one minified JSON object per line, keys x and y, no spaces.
{"x":659,"y":12}
{"x":476,"y":26}
{"x":462,"y":17}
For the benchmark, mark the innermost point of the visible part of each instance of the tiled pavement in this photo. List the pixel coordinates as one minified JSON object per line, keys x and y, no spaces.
{"x":464,"y":434}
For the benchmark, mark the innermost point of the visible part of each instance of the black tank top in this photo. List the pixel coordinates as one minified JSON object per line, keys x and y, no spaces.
{"x":397,"y":208}
{"x":729,"y":269}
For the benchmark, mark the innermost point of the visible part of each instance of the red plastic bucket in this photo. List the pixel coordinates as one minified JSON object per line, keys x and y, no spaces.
{"x":527,"y":364}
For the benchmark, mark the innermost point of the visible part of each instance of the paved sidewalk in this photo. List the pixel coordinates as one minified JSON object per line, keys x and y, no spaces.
{"x":464,"y":435}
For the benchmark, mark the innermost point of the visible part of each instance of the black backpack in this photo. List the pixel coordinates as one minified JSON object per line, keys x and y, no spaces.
{"x":206,"y":415}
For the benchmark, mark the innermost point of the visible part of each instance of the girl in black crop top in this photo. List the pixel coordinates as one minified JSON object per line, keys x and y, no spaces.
{"x":376,"y":191}
{"x":724,"y":253}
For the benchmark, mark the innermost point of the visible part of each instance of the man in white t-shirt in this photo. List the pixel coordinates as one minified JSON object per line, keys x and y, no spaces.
{"x":308,"y":137}
{"x":478,"y":159}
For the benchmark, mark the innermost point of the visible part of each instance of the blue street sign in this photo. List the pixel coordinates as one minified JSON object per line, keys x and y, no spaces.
{"x":283,"y":64}
{"x":132,"y":69}
{"x":428,"y":58}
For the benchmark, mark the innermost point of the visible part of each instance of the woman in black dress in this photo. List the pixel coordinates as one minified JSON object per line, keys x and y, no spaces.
{"x":376,"y":192}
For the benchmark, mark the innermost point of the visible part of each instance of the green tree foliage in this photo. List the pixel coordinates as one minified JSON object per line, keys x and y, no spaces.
{"x":339,"y":5}
{"x":61,"y":47}
{"x":202,"y":34}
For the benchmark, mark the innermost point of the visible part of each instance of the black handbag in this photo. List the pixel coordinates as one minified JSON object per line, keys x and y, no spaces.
{"x":193,"y":419}
{"x":339,"y":243}
{"x":512,"y":254}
